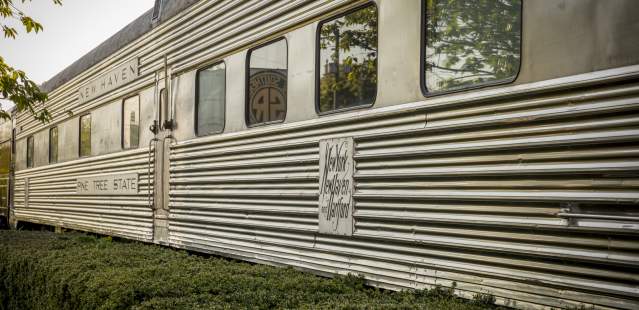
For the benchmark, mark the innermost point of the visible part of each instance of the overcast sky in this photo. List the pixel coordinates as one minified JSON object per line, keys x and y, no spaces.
{"x":70,"y":31}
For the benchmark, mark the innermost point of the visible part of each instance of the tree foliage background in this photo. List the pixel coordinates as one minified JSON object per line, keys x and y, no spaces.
{"x":348,"y":49}
{"x":15,"y":85}
{"x":471,"y":42}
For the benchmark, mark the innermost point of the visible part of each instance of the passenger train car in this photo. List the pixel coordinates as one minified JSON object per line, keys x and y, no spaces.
{"x":488,"y":146}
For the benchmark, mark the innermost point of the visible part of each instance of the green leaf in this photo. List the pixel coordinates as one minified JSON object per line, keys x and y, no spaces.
{"x":9,"y":32}
{"x":14,"y":84}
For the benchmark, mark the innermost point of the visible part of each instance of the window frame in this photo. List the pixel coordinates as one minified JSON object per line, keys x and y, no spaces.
{"x":122,"y":118}
{"x":318,"y":56}
{"x":422,"y":55}
{"x":30,"y":163}
{"x":80,"y":135}
{"x":57,"y":146}
{"x":247,"y":77}
{"x":197,"y":99}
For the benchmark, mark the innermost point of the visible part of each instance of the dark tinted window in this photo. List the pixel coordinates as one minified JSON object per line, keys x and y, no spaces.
{"x":5,"y":165}
{"x":471,"y":42}
{"x":348,"y":60}
{"x":267,"y":83}
{"x":30,"y":152}
{"x":85,"y":135}
{"x":211,"y":97}
{"x":5,"y":157}
{"x":53,"y":145}
{"x":131,"y":123}
{"x":162,"y":109}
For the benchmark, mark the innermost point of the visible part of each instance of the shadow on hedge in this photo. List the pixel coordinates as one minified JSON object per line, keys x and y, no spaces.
{"x":42,"y":270}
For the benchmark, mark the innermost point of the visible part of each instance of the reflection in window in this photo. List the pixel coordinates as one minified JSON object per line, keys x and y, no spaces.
{"x":85,"y":135}
{"x":53,"y":145}
{"x":470,"y":42}
{"x":5,"y":165}
{"x":30,"y":152}
{"x":211,"y":96}
{"x":165,"y":113}
{"x":267,"y":84}
{"x":348,"y":60}
{"x":163,"y":108}
{"x":131,"y":123}
{"x":5,"y":157}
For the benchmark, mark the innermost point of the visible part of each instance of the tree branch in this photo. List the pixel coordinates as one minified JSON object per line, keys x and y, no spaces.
{"x":460,"y":70}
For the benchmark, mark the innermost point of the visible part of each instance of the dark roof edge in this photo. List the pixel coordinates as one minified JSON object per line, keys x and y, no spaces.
{"x":131,"y":32}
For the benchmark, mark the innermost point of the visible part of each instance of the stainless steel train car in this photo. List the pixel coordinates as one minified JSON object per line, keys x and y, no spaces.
{"x":6,"y":147}
{"x":489,"y":146}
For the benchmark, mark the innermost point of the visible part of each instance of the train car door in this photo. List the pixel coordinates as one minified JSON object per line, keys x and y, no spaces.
{"x":160,"y":149}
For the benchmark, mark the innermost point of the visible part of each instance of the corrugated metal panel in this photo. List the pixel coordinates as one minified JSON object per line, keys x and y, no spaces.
{"x":478,"y":189}
{"x":470,"y":194}
{"x":52,"y":198}
{"x":207,"y":28}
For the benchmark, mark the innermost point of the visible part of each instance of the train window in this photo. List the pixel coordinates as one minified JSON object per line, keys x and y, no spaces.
{"x":30,"y":152}
{"x":267,"y":83}
{"x":471,"y":43}
{"x":348,"y":60}
{"x":164,"y":107}
{"x":131,"y":123}
{"x":53,"y":145}
{"x":211,"y":98}
{"x":85,"y":135}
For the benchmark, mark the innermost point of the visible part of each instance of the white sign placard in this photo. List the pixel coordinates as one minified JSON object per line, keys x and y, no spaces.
{"x":122,"y":75}
{"x":115,"y":184}
{"x":336,"y":186}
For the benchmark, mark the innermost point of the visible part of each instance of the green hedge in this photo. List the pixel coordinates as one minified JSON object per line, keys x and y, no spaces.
{"x":42,"y":270}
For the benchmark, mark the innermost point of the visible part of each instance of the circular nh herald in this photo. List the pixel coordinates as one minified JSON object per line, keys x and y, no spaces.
{"x":267,"y":93}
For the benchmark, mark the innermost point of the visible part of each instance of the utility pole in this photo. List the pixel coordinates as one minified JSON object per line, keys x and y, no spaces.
{"x":336,"y":33}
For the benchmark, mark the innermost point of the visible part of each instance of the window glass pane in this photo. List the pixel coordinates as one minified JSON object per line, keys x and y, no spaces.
{"x":30,"y":152}
{"x":5,"y":165}
{"x":211,"y":97}
{"x":13,"y":141}
{"x":162,"y":108}
{"x":470,"y":42}
{"x":5,"y":157}
{"x":53,"y":145}
{"x":85,"y":135}
{"x":348,"y":60}
{"x":267,"y":83}
{"x":131,"y":123}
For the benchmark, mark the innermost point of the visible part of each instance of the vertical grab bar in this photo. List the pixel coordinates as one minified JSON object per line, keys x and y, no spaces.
{"x":151,"y":198}
{"x":173,"y":139}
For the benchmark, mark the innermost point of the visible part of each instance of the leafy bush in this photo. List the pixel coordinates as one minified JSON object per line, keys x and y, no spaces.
{"x":42,"y":270}
{"x":484,"y":299}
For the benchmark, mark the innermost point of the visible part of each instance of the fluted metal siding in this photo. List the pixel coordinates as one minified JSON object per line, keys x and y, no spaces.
{"x":465,"y":190}
{"x":207,"y":28}
{"x":52,"y":197}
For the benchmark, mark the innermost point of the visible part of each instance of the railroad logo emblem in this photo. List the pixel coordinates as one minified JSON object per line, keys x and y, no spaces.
{"x":267,"y":93}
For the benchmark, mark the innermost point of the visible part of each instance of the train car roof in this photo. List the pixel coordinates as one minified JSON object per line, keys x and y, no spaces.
{"x":128,"y":34}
